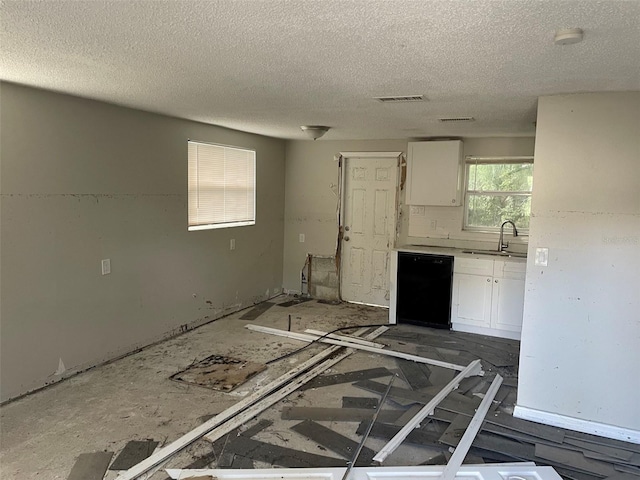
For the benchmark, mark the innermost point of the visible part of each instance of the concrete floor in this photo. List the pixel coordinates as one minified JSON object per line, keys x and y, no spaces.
{"x":133,"y":399}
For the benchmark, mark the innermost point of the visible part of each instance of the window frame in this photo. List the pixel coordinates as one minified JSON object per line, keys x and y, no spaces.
{"x":508,"y":160}
{"x":225,"y":224}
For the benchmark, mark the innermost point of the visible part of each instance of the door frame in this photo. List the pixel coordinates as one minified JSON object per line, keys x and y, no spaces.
{"x":342,"y":158}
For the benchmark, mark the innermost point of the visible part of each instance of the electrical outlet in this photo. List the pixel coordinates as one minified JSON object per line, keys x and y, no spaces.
{"x":106,"y":266}
{"x":301,"y":238}
{"x":434,"y":224}
{"x":542,"y":257}
{"x":232,"y":244}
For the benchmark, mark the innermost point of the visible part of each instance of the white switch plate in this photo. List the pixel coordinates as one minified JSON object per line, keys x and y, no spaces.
{"x":301,"y":238}
{"x":542,"y":257}
{"x":232,"y":244}
{"x":106,"y":266}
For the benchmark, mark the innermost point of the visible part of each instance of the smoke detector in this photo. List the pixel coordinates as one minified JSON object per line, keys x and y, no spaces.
{"x":314,"y":131}
{"x":568,"y":36}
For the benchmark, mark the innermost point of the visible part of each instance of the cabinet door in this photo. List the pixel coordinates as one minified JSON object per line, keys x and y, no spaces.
{"x":472,"y":299}
{"x":508,"y":304}
{"x":434,"y":173}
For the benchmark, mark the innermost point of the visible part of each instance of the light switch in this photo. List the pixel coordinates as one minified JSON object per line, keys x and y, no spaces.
{"x":301,"y":238}
{"x":542,"y":257}
{"x":232,"y":244}
{"x":106,"y":266}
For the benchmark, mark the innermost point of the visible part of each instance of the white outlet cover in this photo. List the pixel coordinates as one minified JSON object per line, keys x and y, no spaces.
{"x":106,"y":266}
{"x":301,"y":238}
{"x":542,"y":257}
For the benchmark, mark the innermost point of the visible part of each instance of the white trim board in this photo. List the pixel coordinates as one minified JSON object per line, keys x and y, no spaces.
{"x":577,"y":424}
{"x":496,"y":471}
{"x":492,"y":332}
{"x":474,"y":368}
{"x":390,"y":353}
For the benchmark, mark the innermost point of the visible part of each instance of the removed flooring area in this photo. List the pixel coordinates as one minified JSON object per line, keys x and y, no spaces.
{"x":52,"y":432}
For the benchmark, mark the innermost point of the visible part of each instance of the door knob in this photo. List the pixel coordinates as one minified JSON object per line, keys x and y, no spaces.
{"x":346,"y":239}
{"x":346,"y":229}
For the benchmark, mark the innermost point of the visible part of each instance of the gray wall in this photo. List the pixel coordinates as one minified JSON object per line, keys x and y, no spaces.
{"x":82,"y":181}
{"x":580,"y":340}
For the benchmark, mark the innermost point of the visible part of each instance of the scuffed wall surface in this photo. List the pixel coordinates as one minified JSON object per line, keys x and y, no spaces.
{"x":579,"y":356}
{"x":83,"y":181}
{"x":312,"y":198}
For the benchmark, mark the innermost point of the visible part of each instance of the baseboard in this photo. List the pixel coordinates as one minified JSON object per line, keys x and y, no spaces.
{"x":577,"y":424}
{"x":491,"y":332}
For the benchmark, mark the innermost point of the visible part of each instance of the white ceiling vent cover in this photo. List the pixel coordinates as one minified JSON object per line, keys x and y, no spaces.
{"x":456,"y":119}
{"x":401,"y":98}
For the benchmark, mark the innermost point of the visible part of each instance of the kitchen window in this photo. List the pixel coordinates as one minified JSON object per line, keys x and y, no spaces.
{"x":497,"y":189}
{"x":222,"y":186}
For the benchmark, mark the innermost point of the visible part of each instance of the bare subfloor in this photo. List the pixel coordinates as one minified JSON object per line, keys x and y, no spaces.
{"x":134,"y":398}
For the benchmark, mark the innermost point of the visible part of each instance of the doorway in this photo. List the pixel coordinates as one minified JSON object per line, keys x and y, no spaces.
{"x":369,"y":187}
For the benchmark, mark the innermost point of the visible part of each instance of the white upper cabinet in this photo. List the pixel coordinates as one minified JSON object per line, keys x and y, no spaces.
{"x":434,"y":173}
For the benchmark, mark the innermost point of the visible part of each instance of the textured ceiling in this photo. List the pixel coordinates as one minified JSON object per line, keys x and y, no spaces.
{"x":269,"y":66}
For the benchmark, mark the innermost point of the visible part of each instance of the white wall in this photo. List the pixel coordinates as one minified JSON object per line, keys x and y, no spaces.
{"x":311,"y":200}
{"x":84,"y":180}
{"x":580,"y":350}
{"x":419,"y":223}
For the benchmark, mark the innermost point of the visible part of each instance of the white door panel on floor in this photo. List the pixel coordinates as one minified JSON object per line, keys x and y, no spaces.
{"x":369,"y":228}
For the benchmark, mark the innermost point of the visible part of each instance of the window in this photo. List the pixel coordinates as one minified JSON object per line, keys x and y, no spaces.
{"x":222,"y":186}
{"x":497,"y":190}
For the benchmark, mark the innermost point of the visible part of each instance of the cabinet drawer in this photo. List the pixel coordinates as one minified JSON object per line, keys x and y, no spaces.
{"x":473,"y":266}
{"x":506,"y":269}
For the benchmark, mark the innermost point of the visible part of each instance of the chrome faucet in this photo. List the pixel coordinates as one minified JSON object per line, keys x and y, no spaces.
{"x":502,"y":245}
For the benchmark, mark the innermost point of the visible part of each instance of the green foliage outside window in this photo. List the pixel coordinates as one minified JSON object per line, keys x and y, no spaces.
{"x":496,"y":192}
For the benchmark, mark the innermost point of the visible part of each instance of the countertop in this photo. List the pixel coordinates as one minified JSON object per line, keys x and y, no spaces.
{"x":459,"y":252}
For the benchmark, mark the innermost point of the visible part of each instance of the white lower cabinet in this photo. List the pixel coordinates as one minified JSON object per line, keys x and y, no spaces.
{"x":488,"y":296}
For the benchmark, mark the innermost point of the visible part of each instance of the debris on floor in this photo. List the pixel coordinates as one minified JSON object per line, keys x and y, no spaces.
{"x":133,"y":452}
{"x":438,"y":412}
{"x":256,"y":311}
{"x":90,"y":466}
{"x":219,"y":372}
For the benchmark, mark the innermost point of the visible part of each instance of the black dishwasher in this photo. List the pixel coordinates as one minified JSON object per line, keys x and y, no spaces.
{"x":424,"y":289}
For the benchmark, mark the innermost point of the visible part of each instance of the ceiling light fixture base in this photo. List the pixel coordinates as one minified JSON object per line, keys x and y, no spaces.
{"x":568,"y":36}
{"x":315,"y":131}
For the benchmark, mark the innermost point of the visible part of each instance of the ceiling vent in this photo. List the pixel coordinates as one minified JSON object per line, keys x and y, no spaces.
{"x":401,"y":99}
{"x":456,"y":119}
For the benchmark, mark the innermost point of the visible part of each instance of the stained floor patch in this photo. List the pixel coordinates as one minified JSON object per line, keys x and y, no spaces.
{"x":219,"y":372}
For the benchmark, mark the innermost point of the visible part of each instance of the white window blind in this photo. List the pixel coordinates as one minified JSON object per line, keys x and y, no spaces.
{"x":222,"y":186}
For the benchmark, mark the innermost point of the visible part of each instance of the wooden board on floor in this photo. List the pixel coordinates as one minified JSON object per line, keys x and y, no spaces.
{"x":360,"y":402}
{"x":455,"y":431}
{"x":417,"y":436}
{"x":338,"y":414}
{"x":575,"y":460}
{"x":90,"y":466}
{"x":348,"y":377}
{"x":337,"y":443}
{"x":415,"y":375}
{"x":256,"y":311}
{"x":280,"y":456}
{"x":133,"y":452}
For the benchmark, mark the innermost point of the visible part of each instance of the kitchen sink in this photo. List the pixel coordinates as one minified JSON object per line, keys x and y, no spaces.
{"x":496,"y":253}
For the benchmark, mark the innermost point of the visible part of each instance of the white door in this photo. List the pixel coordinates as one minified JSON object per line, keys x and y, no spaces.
{"x":369,"y":227}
